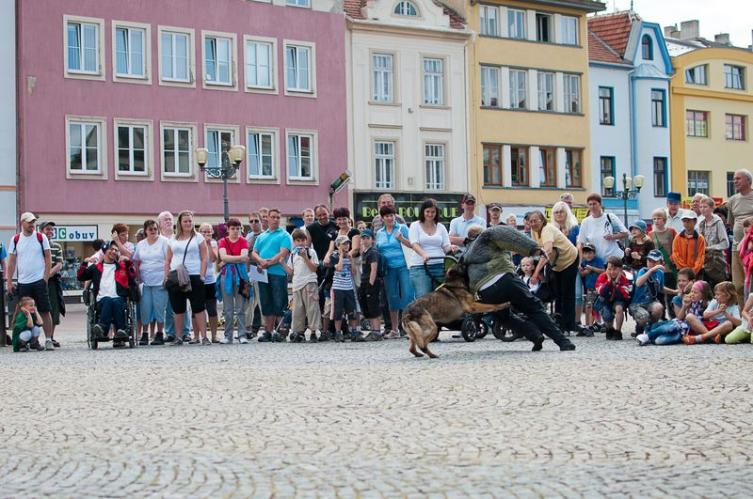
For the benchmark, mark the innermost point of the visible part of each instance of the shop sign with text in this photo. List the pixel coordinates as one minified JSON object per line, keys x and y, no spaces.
{"x":75,"y":233}
{"x":407,"y":205}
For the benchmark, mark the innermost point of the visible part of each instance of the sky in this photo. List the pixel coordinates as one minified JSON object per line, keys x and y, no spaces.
{"x":716,"y":16}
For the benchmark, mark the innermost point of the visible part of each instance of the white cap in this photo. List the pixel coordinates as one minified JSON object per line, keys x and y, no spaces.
{"x":28,"y":217}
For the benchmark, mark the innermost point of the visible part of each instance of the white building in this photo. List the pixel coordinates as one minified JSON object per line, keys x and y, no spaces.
{"x":407,"y":103}
{"x":629,"y":77}
{"x":8,"y":215}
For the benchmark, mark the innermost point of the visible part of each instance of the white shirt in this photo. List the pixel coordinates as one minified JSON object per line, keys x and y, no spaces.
{"x":593,"y":230}
{"x":151,"y":258}
{"x":29,"y":257}
{"x":193,"y":258}
{"x":210,"y":277}
{"x":302,"y":274}
{"x":459,"y":226}
{"x":433,"y":245}
{"x":107,"y":286}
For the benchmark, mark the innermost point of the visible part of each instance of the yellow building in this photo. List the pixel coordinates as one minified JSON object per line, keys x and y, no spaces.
{"x":712,"y":95}
{"x":528,"y":112}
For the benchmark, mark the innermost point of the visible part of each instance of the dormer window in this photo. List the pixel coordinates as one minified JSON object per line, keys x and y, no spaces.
{"x":647,"y":48}
{"x":406,"y":8}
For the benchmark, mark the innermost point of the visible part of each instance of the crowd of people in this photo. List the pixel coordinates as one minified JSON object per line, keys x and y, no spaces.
{"x":683,"y":278}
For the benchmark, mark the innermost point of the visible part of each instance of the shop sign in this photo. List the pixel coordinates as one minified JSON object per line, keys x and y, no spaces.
{"x":579,"y":212}
{"x":407,"y":205}
{"x":75,"y":233}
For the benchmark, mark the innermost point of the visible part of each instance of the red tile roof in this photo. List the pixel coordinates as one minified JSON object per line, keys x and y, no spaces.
{"x":599,"y":51}
{"x":613,"y":29}
{"x":354,"y":10}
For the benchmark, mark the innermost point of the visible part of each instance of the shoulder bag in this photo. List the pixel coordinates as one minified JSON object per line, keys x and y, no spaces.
{"x":179,"y":278}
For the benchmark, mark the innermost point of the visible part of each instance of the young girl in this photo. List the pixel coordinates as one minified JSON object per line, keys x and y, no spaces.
{"x":27,"y":326}
{"x":694,"y":302}
{"x":527,"y":266}
{"x":746,"y":253}
{"x":742,"y":333}
{"x":720,"y":317}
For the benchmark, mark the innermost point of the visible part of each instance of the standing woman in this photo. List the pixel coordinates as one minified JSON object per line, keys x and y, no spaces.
{"x":563,"y":258}
{"x":188,"y":248}
{"x":712,"y":228}
{"x":663,"y":236}
{"x":563,"y":219}
{"x":390,"y":240}
{"x":430,"y":241}
{"x":120,"y":236}
{"x":210,"y":279}
{"x":149,"y":260}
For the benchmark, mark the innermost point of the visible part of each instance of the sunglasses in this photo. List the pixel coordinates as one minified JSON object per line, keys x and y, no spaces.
{"x":253,"y":221}
{"x":469,"y":201}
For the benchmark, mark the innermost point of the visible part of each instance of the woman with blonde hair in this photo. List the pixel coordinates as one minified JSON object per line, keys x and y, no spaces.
{"x":562,"y":218}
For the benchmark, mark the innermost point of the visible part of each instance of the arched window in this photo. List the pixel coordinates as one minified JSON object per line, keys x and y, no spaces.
{"x":406,"y":8}
{"x":647,"y":48}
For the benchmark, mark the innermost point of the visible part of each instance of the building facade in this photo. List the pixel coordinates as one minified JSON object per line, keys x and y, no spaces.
{"x":8,"y":213}
{"x":407,"y":101}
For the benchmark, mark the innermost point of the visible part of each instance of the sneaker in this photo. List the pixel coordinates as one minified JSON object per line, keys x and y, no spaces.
{"x":292,"y":337}
{"x":36,"y":346}
{"x":313,"y":338}
{"x":205,"y":342}
{"x":159,"y":339}
{"x":357,"y":337}
{"x":323,"y":336}
{"x":243,"y":340}
{"x":48,"y":345}
{"x":584,"y":332}
{"x":55,"y":343}
{"x":392,"y":335}
{"x":98,"y":331}
{"x":643,"y":340}
{"x":373,"y":336}
{"x":169,"y":338}
{"x":277,"y":337}
{"x":186,"y":338}
{"x":225,"y":341}
{"x":265,"y":337}
{"x":144,"y":341}
{"x":339,"y":337}
{"x":178,"y":342}
{"x":194,"y":341}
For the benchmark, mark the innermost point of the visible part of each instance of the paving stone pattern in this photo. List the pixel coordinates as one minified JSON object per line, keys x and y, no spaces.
{"x":487,"y":419}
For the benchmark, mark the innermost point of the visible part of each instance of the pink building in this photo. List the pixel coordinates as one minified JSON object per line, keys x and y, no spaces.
{"x":114,"y":96}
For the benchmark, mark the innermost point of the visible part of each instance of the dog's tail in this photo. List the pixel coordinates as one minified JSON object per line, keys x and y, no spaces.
{"x":413,"y":313}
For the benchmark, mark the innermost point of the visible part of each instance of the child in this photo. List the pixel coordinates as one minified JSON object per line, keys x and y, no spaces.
{"x":27,"y":326}
{"x":649,"y":282}
{"x":721,"y":316}
{"x":694,"y":302}
{"x":527,"y":266}
{"x":689,"y":247}
{"x":640,"y":246}
{"x":344,"y":299}
{"x":685,"y":279}
{"x":371,"y":285}
{"x":742,"y":333}
{"x":614,"y":294}
{"x":302,"y":265}
{"x":746,"y":253}
{"x":658,"y":331}
{"x":590,"y":268}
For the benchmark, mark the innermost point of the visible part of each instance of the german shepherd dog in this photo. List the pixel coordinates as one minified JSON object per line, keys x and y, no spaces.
{"x":445,"y":305}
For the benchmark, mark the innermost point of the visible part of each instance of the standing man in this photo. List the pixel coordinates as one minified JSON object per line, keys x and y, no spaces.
{"x":250,"y":306}
{"x":603,"y":230}
{"x":54,"y":288}
{"x":385,"y":199}
{"x":568,"y":199}
{"x":495,"y":214}
{"x":459,"y":226}
{"x":30,"y":261}
{"x":740,"y":208}
{"x":263,"y":215}
{"x":674,"y":212}
{"x":695,"y":204}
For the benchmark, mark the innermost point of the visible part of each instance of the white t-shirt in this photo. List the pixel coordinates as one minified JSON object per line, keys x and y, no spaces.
{"x":29,"y":257}
{"x":210,"y":277}
{"x":433,"y":245}
{"x":151,"y":258}
{"x":107,"y":286}
{"x":733,"y":310}
{"x":302,"y":275}
{"x":593,"y":230}
{"x":193,"y":258}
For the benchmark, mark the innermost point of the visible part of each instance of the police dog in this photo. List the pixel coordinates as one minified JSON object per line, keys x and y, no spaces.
{"x":445,"y":305}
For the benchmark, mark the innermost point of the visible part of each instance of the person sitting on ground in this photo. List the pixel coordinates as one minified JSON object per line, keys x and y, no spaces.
{"x":685,"y":278}
{"x":614,"y":295}
{"x":689,"y":247}
{"x":649,"y":283}
{"x":658,"y":331}
{"x":721,"y":316}
{"x":27,"y":326}
{"x":694,"y":303}
{"x":371,"y":285}
{"x":591,"y":267}
{"x":343,"y":287}
{"x":640,"y":246}
{"x":302,"y":265}
{"x":742,"y":333}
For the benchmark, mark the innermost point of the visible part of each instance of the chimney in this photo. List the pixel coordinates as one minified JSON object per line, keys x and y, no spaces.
{"x":689,"y":30}
{"x":722,"y":38}
{"x":668,"y":30}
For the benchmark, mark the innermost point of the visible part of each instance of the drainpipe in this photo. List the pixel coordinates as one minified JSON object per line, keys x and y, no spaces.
{"x":633,"y":134}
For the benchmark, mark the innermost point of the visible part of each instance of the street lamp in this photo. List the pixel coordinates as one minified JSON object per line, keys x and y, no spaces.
{"x":231,"y":160}
{"x":630,"y":189}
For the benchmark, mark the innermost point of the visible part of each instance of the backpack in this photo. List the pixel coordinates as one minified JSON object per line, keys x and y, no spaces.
{"x":17,"y":238}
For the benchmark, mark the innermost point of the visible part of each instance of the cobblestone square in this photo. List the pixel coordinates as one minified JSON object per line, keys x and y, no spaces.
{"x":487,"y":419}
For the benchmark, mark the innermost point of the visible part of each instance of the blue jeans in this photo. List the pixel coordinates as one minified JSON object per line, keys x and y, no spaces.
{"x":424,"y":282}
{"x":664,"y":333}
{"x":170,"y":321}
{"x":398,"y":288}
{"x":111,"y":310}
{"x":152,"y":305}
{"x":232,"y":306}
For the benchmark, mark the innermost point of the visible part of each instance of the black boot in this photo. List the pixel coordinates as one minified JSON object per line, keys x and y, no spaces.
{"x":144,"y":341}
{"x":159,"y":339}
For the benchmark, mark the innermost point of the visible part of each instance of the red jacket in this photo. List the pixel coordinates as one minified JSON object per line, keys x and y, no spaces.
{"x":124,"y":275}
{"x":619,"y":291}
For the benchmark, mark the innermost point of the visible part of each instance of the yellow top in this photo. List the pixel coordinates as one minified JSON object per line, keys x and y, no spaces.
{"x":566,"y":252}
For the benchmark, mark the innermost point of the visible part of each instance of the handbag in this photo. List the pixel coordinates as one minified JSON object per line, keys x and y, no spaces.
{"x":179,"y":278}
{"x":715,"y":266}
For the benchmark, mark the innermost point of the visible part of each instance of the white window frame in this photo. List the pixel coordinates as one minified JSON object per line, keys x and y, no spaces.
{"x":551,"y":29}
{"x":147,"y":174}
{"x":380,"y":74}
{"x":546,"y":77}
{"x":402,"y":6}
{"x":272,"y":42}
{"x":565,"y":31}
{"x":515,"y":74}
{"x":301,"y":4}
{"x":428,"y":91}
{"x":146,"y":78}
{"x":101,"y":124}
{"x":485,"y":22}
{"x":274,"y":178}
{"x":734,"y":76}
{"x":571,"y":92}
{"x":512,"y":27}
{"x":314,"y":157}
{"x":232,"y":64}
{"x":435,"y":166}
{"x":303,"y":92}
{"x":493,"y":74}
{"x":192,"y":169}
{"x":234,"y":132}
{"x":99,"y":74}
{"x":377,"y":158}
{"x":190,"y":63}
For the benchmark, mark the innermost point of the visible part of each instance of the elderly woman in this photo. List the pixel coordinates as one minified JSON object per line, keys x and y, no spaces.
{"x":713,"y":230}
{"x":430,"y":242}
{"x":120,"y":236}
{"x":149,"y":260}
{"x":563,"y":219}
{"x":562,"y":256}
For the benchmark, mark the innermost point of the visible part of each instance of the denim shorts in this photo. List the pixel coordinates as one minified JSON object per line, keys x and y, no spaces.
{"x":273,"y":295}
{"x":606,"y":309}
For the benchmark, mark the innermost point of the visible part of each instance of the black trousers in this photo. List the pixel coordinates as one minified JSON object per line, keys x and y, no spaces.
{"x":564,"y":294}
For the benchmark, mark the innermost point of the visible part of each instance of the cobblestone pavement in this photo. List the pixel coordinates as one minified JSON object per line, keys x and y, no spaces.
{"x":487,"y":419}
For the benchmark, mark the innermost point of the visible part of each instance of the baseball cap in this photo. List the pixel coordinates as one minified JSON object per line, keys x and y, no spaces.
{"x":28,"y":217}
{"x":468,"y":197}
{"x":341,"y":239}
{"x":45,"y":223}
{"x":589,"y":246}
{"x":689,"y":215}
{"x":367,"y":233}
{"x":638,"y":224}
{"x":655,"y":255}
{"x":495,"y":206}
{"x":673,"y":197}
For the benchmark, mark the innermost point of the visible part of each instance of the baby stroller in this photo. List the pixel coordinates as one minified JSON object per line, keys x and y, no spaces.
{"x":92,"y":318}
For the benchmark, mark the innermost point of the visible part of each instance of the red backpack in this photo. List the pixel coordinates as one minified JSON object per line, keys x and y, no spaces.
{"x":17,"y":238}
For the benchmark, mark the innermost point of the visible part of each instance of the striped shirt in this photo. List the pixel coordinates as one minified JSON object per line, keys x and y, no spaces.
{"x":343,"y":279}
{"x":56,"y":253}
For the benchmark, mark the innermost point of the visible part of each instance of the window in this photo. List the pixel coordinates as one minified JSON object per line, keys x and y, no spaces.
{"x":176,"y":151}
{"x":130,"y":52}
{"x":489,"y":86}
{"x":546,"y":91}
{"x":696,"y":123}
{"x":406,"y":8}
{"x":260,"y":64}
{"x":382,"y":75}
{"x":647,"y":48}
{"x":698,"y":182}
{"x":696,"y":75}
{"x":433,"y":82}
{"x":548,"y":167}
{"x":519,"y":166}
{"x":572,"y":93}
{"x":543,"y":27}
{"x":434,"y":158}
{"x":384,"y":165}
{"x":218,"y":60}
{"x":658,"y":109}
{"x":734,"y":127}
{"x":175,"y":56}
{"x":516,"y":24}
{"x":489,"y":20}
{"x":218,"y":142}
{"x":132,"y":149}
{"x":85,"y":149}
{"x":573,"y":168}
{"x":298,"y":64}
{"x":261,"y":160}
{"x":297,"y":3}
{"x":492,"y":165}
{"x":83,"y":43}
{"x":730,"y":184}
{"x":734,"y":77}
{"x":300,"y":156}
{"x":607,"y":170}
{"x":518,"y":88}
{"x":660,"y":177}
{"x":606,"y":106}
{"x":569,"y":29}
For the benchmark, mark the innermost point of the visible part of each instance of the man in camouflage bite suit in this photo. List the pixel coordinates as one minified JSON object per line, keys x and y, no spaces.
{"x":491,"y":276}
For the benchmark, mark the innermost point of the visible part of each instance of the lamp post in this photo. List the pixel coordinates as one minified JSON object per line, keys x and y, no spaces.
{"x":630,"y":188}
{"x":229,"y":163}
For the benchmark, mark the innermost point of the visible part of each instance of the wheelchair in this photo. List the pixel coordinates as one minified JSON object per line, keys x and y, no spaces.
{"x":92,"y":317}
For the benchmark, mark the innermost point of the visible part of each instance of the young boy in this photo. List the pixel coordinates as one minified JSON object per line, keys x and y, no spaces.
{"x":344,"y":291}
{"x":27,"y":327}
{"x":658,"y":331}
{"x":371,"y":285}
{"x":685,"y":277}
{"x":689,"y":247}
{"x":302,"y":265}
{"x":649,"y":283}
{"x":614,"y":294}
{"x":590,"y":268}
